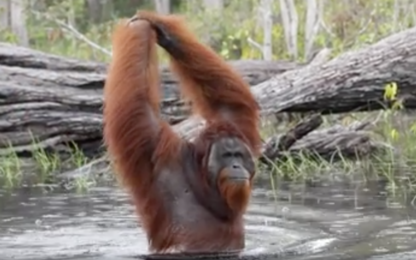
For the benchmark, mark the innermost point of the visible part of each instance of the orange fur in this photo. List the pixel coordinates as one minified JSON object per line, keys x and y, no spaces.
{"x":217,"y":91}
{"x":131,"y":105}
{"x":236,"y":195}
{"x":151,"y":159}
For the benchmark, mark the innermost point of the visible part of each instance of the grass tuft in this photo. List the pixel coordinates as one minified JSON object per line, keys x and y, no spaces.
{"x":44,"y":167}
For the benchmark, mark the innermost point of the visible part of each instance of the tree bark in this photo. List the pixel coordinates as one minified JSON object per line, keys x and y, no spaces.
{"x":353,"y":81}
{"x":331,"y":144}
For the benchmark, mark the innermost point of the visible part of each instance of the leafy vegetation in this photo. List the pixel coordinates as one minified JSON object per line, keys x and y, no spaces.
{"x":344,"y":25}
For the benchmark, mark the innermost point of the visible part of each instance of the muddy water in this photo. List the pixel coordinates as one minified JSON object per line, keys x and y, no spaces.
{"x":336,"y":220}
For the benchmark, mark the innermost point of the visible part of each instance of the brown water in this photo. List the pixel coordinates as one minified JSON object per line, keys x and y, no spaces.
{"x":353,"y":220}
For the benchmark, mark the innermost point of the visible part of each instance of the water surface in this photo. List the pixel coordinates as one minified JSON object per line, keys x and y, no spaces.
{"x":332,"y":219}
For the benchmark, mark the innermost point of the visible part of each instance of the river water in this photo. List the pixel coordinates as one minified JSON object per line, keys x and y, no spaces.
{"x":321,"y":221}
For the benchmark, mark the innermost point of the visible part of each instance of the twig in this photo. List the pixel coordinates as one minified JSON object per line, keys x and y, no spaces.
{"x":255,"y":44}
{"x":74,"y":31}
{"x":83,"y":37}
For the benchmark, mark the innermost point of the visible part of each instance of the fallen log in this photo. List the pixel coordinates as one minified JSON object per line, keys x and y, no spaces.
{"x":353,"y":81}
{"x":54,"y":100}
{"x":331,"y":144}
{"x":58,"y":103}
{"x":89,"y":74}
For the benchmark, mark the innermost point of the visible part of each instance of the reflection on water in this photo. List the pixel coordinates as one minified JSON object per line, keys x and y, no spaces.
{"x":344,"y":219}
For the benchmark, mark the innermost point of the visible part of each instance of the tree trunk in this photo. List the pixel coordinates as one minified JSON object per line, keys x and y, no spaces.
{"x":4,"y":14}
{"x":13,"y":17}
{"x":214,"y":4}
{"x":162,"y":6}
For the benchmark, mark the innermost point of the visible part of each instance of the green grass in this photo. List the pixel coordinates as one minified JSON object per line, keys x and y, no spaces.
{"x":395,"y":164}
{"x":10,"y":169}
{"x":42,"y":168}
{"x":47,"y":165}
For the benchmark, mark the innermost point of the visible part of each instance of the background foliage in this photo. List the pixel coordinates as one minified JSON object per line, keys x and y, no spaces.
{"x":344,"y":24}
